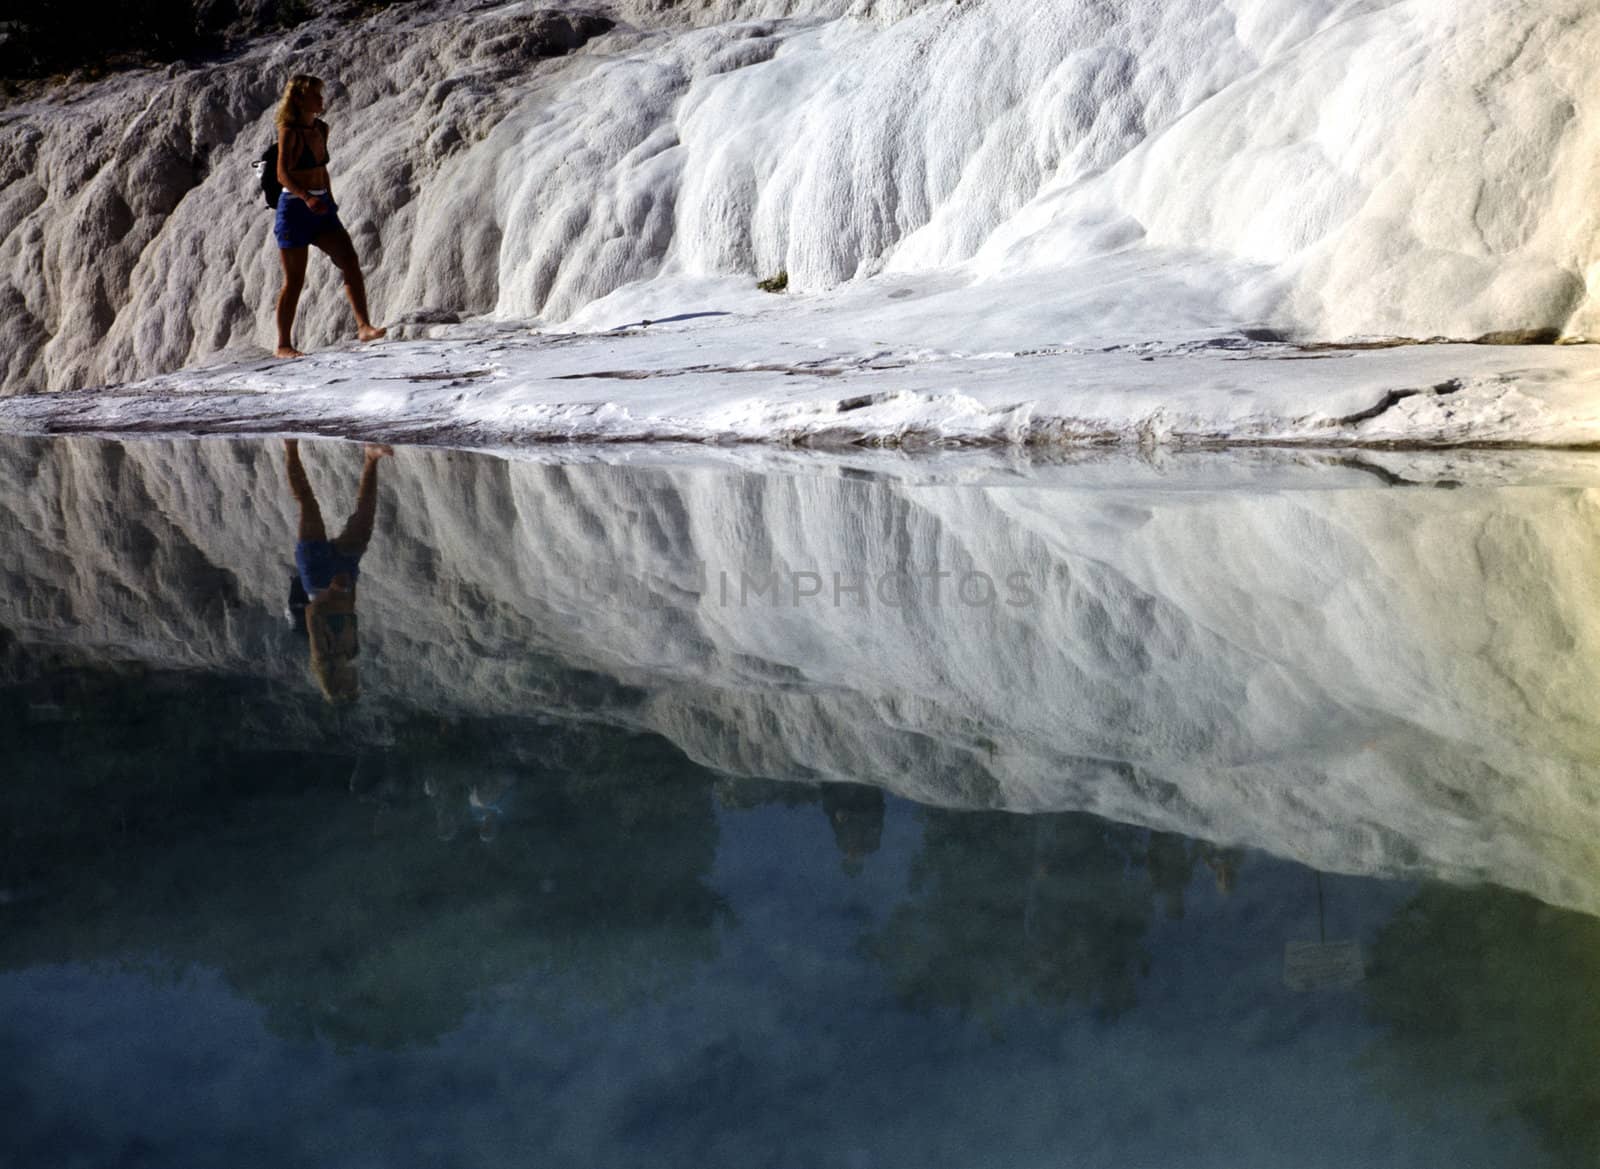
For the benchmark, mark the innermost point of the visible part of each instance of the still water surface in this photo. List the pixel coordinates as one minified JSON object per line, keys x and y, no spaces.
{"x":1263,"y":835}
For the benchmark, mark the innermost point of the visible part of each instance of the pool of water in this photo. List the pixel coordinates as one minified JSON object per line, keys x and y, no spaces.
{"x":701,"y":809}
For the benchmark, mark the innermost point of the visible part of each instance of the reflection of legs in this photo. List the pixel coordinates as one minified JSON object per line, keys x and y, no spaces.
{"x":342,"y":252}
{"x":358,"y":528}
{"x":311,"y":527}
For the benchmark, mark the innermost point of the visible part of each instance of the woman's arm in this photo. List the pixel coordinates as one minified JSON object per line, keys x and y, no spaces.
{"x":283,"y":161}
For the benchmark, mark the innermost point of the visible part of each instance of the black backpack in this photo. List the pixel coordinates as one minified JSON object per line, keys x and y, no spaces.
{"x":266,"y":168}
{"x":295,"y":610}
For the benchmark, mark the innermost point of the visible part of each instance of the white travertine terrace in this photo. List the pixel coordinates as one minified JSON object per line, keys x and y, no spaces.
{"x":1064,"y":173}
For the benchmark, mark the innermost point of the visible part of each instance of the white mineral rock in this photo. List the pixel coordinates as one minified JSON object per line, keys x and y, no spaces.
{"x":1074,"y":171}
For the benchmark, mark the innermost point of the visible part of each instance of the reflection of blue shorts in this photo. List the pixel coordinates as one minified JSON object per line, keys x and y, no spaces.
{"x":297,"y":225}
{"x":319,"y":561}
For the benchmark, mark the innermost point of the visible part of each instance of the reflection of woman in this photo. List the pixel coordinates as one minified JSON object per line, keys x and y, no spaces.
{"x":328,"y":572}
{"x":307,"y":214}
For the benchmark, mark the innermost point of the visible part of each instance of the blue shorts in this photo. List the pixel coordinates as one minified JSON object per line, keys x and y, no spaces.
{"x":319,"y":561}
{"x":297,"y":225}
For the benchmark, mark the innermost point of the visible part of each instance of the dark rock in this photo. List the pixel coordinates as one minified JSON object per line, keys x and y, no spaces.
{"x":214,"y":16}
{"x":1519,"y":337}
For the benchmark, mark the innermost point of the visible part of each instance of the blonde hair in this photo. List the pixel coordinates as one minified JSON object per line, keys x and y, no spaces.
{"x":337,"y":677}
{"x":339,"y":680}
{"x":336,"y":674}
{"x":291,"y":109}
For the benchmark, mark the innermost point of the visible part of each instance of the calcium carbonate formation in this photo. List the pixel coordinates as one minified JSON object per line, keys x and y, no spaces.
{"x":1321,"y":168}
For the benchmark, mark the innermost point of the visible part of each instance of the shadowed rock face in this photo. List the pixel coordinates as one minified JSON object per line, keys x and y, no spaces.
{"x":93,"y":37}
{"x":514,"y":160}
{"x":1373,"y":681}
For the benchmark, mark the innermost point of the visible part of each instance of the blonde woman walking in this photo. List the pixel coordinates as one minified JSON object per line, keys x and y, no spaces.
{"x":307,"y":215}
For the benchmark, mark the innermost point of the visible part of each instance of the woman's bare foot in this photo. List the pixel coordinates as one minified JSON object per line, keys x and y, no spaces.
{"x":370,"y":332}
{"x":288,"y":351}
{"x":378,"y":450}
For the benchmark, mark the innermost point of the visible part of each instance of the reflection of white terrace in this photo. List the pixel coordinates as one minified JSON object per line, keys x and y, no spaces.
{"x":1269,"y":649}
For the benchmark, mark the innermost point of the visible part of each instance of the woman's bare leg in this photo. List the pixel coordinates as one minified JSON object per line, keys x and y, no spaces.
{"x":342,"y":252}
{"x":358,"y":528}
{"x":294,"y":279}
{"x":311,"y":527}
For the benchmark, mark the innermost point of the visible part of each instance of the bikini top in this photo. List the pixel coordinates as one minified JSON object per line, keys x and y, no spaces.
{"x":308,"y":159}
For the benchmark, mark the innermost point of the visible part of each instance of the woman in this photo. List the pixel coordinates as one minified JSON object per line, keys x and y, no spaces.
{"x":307,"y":214}
{"x":329,"y":570}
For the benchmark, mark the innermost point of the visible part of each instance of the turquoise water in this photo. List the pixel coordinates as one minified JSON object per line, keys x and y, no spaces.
{"x":538,"y":897}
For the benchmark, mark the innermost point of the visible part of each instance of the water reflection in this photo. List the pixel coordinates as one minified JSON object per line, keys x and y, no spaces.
{"x":936,"y":884}
{"x":324,"y":587}
{"x":1490,"y":996}
{"x":855,"y":814}
{"x":316,"y":882}
{"x":467,"y":770}
{"x":854,"y":811}
{"x":733,"y":926}
{"x":1007,"y":909}
{"x":1318,"y":673}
